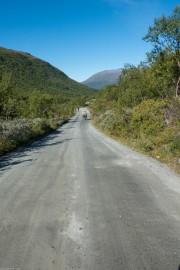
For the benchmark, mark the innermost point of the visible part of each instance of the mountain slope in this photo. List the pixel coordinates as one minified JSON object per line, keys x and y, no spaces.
{"x":103,"y":78}
{"x":24,"y":71}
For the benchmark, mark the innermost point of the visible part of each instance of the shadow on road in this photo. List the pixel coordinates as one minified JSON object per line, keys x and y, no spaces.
{"x":25,"y":151}
{"x":73,"y":121}
{"x":69,"y":127}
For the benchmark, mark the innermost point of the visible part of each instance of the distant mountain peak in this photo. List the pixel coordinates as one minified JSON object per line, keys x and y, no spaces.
{"x":103,"y":78}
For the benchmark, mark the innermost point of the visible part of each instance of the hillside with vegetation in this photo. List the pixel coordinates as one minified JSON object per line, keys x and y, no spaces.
{"x":34,"y":98}
{"x":26,"y":72}
{"x":143,"y":110}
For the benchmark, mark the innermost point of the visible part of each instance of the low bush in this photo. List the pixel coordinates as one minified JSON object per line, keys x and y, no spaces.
{"x":148,"y":118}
{"x":152,"y":127}
{"x":107,"y":120}
{"x":16,"y":132}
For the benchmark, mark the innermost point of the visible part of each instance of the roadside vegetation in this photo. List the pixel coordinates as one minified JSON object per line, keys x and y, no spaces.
{"x":143,"y":109}
{"x":34,"y":98}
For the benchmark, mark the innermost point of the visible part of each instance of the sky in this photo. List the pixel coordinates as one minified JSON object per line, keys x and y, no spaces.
{"x":81,"y":37}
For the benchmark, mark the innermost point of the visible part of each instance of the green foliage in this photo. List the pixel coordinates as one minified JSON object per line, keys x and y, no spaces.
{"x":40,"y":126}
{"x":148,"y":118}
{"x":107,"y":121}
{"x":164,"y":35}
{"x":152,"y":126}
{"x":142,"y":109}
{"x":32,"y":88}
{"x":15,"y":132}
{"x":25,"y":72}
{"x":135,"y":85}
{"x":175,"y":144}
{"x":34,"y":98}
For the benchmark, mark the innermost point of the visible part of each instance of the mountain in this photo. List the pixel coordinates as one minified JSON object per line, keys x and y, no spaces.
{"x":103,"y":78}
{"x":24,"y":71}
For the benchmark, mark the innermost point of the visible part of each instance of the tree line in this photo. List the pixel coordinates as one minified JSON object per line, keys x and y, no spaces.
{"x":143,"y":109}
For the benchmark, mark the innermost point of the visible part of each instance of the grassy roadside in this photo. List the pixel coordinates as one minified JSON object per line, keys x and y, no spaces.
{"x":147,"y":136}
{"x":17,"y":132}
{"x":172,"y":162}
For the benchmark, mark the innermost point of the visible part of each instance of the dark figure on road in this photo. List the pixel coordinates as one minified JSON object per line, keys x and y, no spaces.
{"x":85,"y":115}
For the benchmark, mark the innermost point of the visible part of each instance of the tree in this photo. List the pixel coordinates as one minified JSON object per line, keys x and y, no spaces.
{"x":135,"y":85}
{"x":165,"y":39}
{"x":5,"y":90}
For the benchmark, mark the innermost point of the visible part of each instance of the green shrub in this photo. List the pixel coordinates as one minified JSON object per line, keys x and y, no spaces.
{"x":15,"y":132}
{"x":148,"y":117}
{"x":107,"y":120}
{"x":40,"y":126}
{"x":175,"y":144}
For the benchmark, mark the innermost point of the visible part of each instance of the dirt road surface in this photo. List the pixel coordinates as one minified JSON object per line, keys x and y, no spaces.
{"x":76,"y":199}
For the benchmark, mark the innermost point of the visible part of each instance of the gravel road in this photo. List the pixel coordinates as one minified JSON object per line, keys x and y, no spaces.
{"x":76,"y":199}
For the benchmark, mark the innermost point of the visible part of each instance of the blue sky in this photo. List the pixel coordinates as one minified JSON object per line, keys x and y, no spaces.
{"x":81,"y":37}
